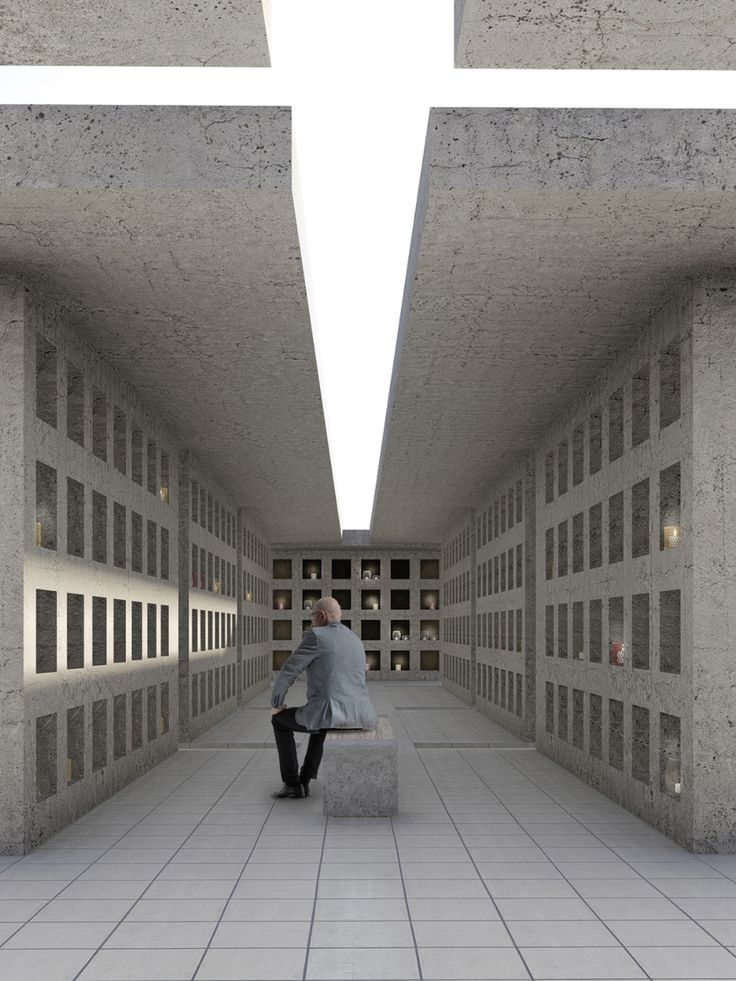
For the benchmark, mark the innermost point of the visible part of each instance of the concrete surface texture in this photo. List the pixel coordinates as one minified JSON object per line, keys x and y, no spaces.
{"x":173,"y":230}
{"x":543,"y":240}
{"x":360,"y":773}
{"x":111,"y":32}
{"x":647,"y":34}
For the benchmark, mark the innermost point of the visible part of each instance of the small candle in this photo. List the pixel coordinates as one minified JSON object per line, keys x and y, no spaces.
{"x":312,"y":575}
{"x":678,"y":788}
{"x":375,"y":606}
{"x":38,"y":533}
{"x":281,"y":605}
{"x":398,"y":667}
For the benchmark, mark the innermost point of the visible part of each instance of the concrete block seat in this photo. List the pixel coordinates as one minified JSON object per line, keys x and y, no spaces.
{"x":360,"y":772}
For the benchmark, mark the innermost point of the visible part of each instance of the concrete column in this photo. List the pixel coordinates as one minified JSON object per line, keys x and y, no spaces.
{"x":185,"y":575}
{"x":13,"y":396}
{"x":713,"y":542}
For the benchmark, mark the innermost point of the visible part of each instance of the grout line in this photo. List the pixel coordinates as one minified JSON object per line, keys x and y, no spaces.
{"x":406,"y":900}
{"x":314,"y":904}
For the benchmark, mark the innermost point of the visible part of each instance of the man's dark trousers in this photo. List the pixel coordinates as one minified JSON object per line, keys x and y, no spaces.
{"x":284,"y":727}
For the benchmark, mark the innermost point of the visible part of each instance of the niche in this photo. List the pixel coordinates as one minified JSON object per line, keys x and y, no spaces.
{"x":429,"y":599}
{"x":429,"y":630}
{"x":282,"y":629}
{"x":136,"y":718}
{"x":282,"y":599}
{"x":99,"y":424}
{"x":578,"y":455}
{"x":562,"y":630}
{"x":595,"y":723}
{"x":616,"y":652}
{"x":399,"y":630}
{"x":99,"y":734}
{"x":578,"y":542}
{"x":370,"y":569}
{"x":372,"y":661}
{"x":118,"y":631}
{"x":562,"y":721}
{"x":640,"y":407}
{"x":136,"y":631}
{"x":46,"y":511}
{"x":429,"y":568}
{"x":595,"y":516}
{"x":311,"y":569}
{"x":75,"y":404}
{"x":74,"y":744}
{"x":616,"y":425}
{"x":282,"y":570}
{"x":669,"y":384}
{"x":152,"y":713}
{"x":578,"y":640}
{"x":119,"y":728}
{"x":400,"y":569}
{"x":596,"y":630}
{"x":99,"y":527}
{"x":151,"y":629}
{"x":616,"y":528}
{"x":99,"y":630}
{"x":399,"y":660}
{"x":341,"y":569}
{"x":615,"y":733}
{"x":370,"y":630}
{"x":595,"y":441}
{"x":74,"y":630}
{"x":669,"y":631}
{"x":562,"y":463}
{"x":670,"y":521}
{"x":45,"y":631}
{"x":119,"y":440}
{"x":549,"y":708}
{"x":74,"y":518}
{"x":640,"y":519}
{"x":670,"y":762}
{"x":429,"y":660}
{"x":640,"y":631}
{"x":343,"y":597}
{"x":46,"y":386}
{"x":400,"y":599}
{"x":578,"y":718}
{"x":279,"y":659}
{"x":370,"y":599}
{"x":309,"y":598}
{"x":46,"y":741}
{"x":640,"y":744}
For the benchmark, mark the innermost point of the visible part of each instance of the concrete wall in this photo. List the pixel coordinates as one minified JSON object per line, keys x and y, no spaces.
{"x":458,"y":610}
{"x":407,"y":604}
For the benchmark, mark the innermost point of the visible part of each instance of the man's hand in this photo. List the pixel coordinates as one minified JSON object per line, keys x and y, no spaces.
{"x":279,"y":709}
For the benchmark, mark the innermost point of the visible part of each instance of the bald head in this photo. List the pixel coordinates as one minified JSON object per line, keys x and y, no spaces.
{"x":328,"y":609}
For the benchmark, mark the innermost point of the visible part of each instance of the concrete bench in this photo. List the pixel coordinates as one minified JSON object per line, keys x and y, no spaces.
{"x":360,"y":772}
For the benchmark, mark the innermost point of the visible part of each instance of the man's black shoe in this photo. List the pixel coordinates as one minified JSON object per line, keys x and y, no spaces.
{"x":305,"y":787}
{"x":286,"y":791}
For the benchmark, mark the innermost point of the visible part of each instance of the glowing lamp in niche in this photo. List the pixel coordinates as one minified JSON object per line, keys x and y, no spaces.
{"x":672,"y":536}
{"x":616,"y":655}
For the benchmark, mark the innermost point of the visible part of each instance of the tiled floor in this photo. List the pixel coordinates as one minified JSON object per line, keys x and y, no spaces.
{"x":501,"y":865}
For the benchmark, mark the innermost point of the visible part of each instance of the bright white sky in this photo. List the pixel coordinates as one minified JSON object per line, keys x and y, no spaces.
{"x":361,"y":78}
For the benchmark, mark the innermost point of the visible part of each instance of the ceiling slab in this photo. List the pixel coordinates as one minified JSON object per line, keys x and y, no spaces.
{"x":651,"y":34}
{"x":172,"y":231}
{"x":544,"y":239}
{"x":133,"y":32}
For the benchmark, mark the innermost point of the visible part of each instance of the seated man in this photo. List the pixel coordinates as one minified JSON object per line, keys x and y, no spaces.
{"x":337,"y":696}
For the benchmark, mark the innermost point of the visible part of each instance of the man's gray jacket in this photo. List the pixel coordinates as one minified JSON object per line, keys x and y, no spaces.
{"x":337,"y":695}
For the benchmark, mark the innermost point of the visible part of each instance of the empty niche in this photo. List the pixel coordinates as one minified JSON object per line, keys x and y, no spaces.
{"x":370,"y":599}
{"x":74,"y":630}
{"x":578,"y":718}
{"x":136,"y":718}
{"x":370,"y":630}
{"x":119,"y":727}
{"x":46,"y":382}
{"x":46,"y":747}
{"x":74,"y":744}
{"x":670,"y":505}
{"x":519,"y":695}
{"x":99,"y":424}
{"x":151,"y":638}
{"x":136,"y":630}
{"x":595,"y":622}
{"x":152,"y":468}
{"x":595,"y":726}
{"x":640,"y":743}
{"x":562,"y":458}
{"x":164,"y":481}
{"x":616,"y":733}
{"x":152,"y":712}
{"x":640,"y":519}
{"x":341,"y":569}
{"x":562,"y":720}
{"x":400,"y":599}
{"x":578,"y":630}
{"x":45,"y":631}
{"x":616,"y":528}
{"x":519,"y":565}
{"x":99,"y":630}
{"x":595,"y":441}
{"x":510,"y":506}
{"x":429,"y":660}
{"x":640,"y":630}
{"x":670,"y":762}
{"x":165,"y":553}
{"x":549,"y":553}
{"x":194,"y":496}
{"x":549,"y":477}
{"x":279,"y":659}
{"x":46,"y":506}
{"x":194,"y":631}
{"x":519,"y":630}
{"x":311,"y":569}
{"x":74,"y":518}
{"x":640,"y":406}
{"x":281,"y":599}
{"x":578,"y":455}
{"x":562,"y":630}
{"x":429,"y":629}
{"x":118,"y":535}
{"x":282,"y":629}
{"x":669,"y":631}
{"x":99,"y":527}
{"x":119,"y":440}
{"x":669,"y":384}
{"x":164,"y":630}
{"x":399,"y":660}
{"x":503,"y":513}
{"x":549,"y":623}
{"x":400,"y":568}
{"x":152,"y":550}
{"x":136,"y":542}
{"x":75,"y":404}
{"x":616,"y":653}
{"x":616,"y":425}
{"x":195,"y":695}
{"x":549,"y":708}
{"x":209,"y":512}
{"x":562,"y":548}
{"x":99,"y":734}
{"x":595,"y":526}
{"x":578,"y":542}
{"x":282,"y":568}
{"x":429,"y":568}
{"x":118,"y":630}
{"x":165,"y":705}
{"x":136,"y":467}
{"x":344,"y":598}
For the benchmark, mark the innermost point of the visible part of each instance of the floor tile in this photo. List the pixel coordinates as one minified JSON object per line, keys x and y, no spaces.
{"x":544,"y":909}
{"x":59,"y":936}
{"x":561,"y":933}
{"x":49,"y":965}
{"x":160,"y":935}
{"x":142,"y":965}
{"x":362,"y":964}
{"x":659,"y":933}
{"x":580,"y":963}
{"x":371,"y":933}
{"x":360,"y":909}
{"x":461,"y":933}
{"x":252,"y":964}
{"x":252,"y":910}
{"x":686,"y":962}
{"x":263,"y":934}
{"x":471,"y":964}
